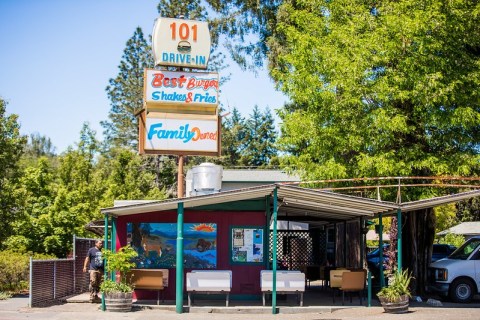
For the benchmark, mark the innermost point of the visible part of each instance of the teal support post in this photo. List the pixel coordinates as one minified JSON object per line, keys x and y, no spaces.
{"x":362,"y":242}
{"x":267,"y":231}
{"x":179,"y":266}
{"x":113,"y":242}
{"x":369,"y":289}
{"x":345,"y":244}
{"x":105,"y":274}
{"x":380,"y":251}
{"x":399,"y":240}
{"x":335,"y":244}
{"x":274,"y":253}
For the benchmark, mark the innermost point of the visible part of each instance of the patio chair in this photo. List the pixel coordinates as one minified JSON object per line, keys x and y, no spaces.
{"x":353,"y":282}
{"x":336,"y":280}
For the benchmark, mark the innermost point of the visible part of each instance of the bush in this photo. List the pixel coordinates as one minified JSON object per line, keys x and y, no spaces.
{"x":118,"y":261}
{"x":5,"y":295}
{"x":15,"y":268}
{"x":453,"y":239}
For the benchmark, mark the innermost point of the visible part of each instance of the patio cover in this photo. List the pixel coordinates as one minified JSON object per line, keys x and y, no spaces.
{"x":294,"y":203}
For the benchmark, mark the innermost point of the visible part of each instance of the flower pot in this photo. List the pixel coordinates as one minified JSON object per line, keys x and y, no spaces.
{"x":398,"y":306}
{"x":118,"y":301}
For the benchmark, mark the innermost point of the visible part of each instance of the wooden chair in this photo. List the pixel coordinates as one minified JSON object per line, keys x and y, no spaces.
{"x":336,"y":276}
{"x":353,"y":282}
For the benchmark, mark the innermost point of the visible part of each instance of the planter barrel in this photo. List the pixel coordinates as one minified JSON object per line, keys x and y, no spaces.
{"x":118,"y":301}
{"x":399,"y":306}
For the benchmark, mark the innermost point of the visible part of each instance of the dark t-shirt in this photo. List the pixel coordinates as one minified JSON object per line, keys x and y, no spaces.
{"x":96,"y":260}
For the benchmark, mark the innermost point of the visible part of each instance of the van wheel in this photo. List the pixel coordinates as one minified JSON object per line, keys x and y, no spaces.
{"x":461,"y":290}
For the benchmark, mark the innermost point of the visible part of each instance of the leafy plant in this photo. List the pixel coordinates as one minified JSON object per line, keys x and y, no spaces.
{"x":398,"y":287}
{"x":120,"y":261}
{"x":15,"y":268}
{"x":453,"y":239}
{"x":5,"y":295}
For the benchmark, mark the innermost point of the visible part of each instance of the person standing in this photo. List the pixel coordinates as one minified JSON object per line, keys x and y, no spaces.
{"x":95,"y":264}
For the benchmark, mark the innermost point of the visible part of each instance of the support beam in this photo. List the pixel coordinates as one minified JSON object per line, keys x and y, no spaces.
{"x":274,"y":253}
{"x":105,"y":274}
{"x":179,"y":266}
{"x":380,"y":250}
{"x":113,"y":241}
{"x":345,"y":244}
{"x":268,"y":214}
{"x":399,"y":240}
{"x":362,"y":242}
{"x":334,"y":244}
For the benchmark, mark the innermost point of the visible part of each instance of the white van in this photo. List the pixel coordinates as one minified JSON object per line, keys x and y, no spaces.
{"x":458,"y":275}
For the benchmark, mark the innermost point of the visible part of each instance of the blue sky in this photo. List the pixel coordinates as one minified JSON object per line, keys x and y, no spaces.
{"x":56,"y":57}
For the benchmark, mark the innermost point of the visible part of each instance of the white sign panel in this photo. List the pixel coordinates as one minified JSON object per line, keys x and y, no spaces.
{"x":181,"y":134}
{"x":181,"y":88}
{"x":181,"y":43}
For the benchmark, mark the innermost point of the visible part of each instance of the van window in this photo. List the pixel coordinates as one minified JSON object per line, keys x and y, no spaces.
{"x":466,"y":249}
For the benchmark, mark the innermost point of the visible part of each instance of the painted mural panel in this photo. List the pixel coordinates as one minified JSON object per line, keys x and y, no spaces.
{"x":156,"y":244}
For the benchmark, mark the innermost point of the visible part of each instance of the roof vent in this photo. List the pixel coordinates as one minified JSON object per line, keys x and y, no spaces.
{"x":204,"y":179}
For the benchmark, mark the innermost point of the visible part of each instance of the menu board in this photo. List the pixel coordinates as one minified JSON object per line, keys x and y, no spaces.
{"x":247,"y":245}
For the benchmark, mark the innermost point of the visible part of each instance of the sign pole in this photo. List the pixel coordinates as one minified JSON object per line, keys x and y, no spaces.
{"x":180,"y":192}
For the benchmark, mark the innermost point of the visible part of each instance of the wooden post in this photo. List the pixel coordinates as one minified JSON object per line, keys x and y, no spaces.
{"x":180,"y":192}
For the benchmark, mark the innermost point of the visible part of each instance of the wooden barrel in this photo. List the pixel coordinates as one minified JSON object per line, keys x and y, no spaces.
{"x":400,"y":306}
{"x":118,"y":301}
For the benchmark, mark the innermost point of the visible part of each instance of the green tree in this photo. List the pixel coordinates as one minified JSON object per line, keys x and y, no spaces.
{"x":125,"y":92}
{"x":35,"y":195}
{"x":125,"y":179}
{"x":446,"y":217}
{"x":78,"y":193}
{"x":12,"y":144}
{"x":258,"y":145}
{"x":468,"y":210}
{"x":233,"y":137}
{"x":381,"y":89}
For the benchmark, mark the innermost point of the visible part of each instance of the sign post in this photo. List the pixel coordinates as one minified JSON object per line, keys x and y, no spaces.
{"x":180,"y":114}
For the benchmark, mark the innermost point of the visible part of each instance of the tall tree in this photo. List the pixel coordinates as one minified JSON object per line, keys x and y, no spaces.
{"x":125,"y":92}
{"x":387,"y":88}
{"x":233,"y":137}
{"x":258,"y":145}
{"x":12,"y":144}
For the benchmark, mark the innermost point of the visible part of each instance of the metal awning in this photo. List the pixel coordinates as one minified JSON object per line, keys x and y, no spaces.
{"x":293,"y":202}
{"x":316,"y":207}
{"x":437,"y":201}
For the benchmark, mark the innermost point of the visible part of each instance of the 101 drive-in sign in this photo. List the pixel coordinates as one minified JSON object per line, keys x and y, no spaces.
{"x":181,"y":43}
{"x":194,"y":135}
{"x":181,"y":88}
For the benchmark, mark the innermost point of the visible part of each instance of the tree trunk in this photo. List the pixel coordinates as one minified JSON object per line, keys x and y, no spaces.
{"x":418,"y":236}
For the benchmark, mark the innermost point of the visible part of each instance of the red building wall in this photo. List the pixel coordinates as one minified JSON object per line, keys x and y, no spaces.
{"x":245,"y":278}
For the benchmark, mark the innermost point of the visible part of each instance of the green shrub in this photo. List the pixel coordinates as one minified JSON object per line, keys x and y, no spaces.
{"x":453,"y":239}
{"x":5,"y":295}
{"x":15,"y":268}
{"x":118,"y":261}
{"x":398,"y":287}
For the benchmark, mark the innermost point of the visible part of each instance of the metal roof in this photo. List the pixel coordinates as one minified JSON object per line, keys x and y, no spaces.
{"x":295,"y":203}
{"x":465,"y":228}
{"x":433,"y":202}
{"x":265,"y":176}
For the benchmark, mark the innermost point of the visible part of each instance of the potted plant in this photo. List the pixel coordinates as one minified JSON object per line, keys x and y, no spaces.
{"x":118,"y":293}
{"x":395,"y":297}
